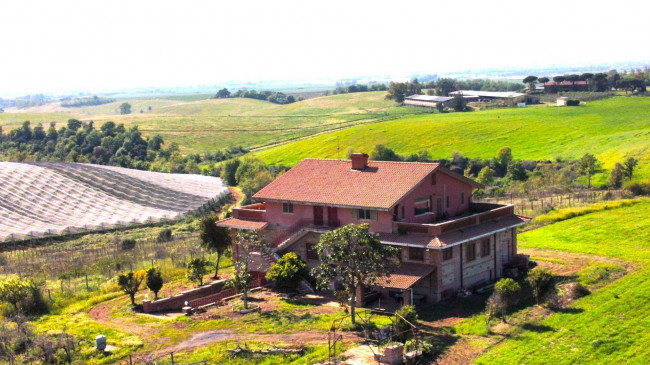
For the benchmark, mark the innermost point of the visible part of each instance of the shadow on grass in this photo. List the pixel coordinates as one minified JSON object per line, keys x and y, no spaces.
{"x":539,"y":328}
{"x":455,"y":307}
{"x":569,"y":310}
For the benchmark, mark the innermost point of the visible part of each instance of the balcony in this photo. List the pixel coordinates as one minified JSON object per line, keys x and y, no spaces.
{"x":478,"y":213}
{"x":252,"y":212}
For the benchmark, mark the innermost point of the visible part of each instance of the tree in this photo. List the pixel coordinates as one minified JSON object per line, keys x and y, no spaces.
{"x":517,"y":171}
{"x":530,"y":80}
{"x":229,"y":169}
{"x":129,"y":283}
{"x":543,"y":79}
{"x":383,"y":153}
{"x":540,"y":280}
{"x":628,"y":167}
{"x":445,"y":86}
{"x":196,"y":270}
{"x":616,"y":176}
{"x":458,"y":102}
{"x":354,"y":256}
{"x":154,"y":281}
{"x":247,"y":241}
{"x":486,"y":176}
{"x":397,"y":91}
{"x":125,"y":108}
{"x":13,"y":290}
{"x":559,"y":78}
{"x":504,"y":157}
{"x":505,"y":292}
{"x":288,"y":271}
{"x":588,"y":165}
{"x":213,"y":238}
{"x":222,"y":94}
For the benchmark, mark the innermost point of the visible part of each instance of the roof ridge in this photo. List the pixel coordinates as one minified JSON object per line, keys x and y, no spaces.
{"x":371,"y":161}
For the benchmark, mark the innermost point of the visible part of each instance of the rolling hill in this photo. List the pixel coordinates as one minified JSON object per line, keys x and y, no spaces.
{"x":45,"y":199}
{"x":612,"y":129}
{"x":212,"y":124}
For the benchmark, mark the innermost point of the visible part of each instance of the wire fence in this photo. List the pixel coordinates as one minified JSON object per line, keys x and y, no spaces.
{"x":532,"y":205}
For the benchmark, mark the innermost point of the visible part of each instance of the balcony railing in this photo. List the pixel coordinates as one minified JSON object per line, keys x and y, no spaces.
{"x":483,"y":213}
{"x":253,"y":212}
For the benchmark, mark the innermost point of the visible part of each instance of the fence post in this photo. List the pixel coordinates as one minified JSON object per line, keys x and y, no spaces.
{"x":172,"y":355}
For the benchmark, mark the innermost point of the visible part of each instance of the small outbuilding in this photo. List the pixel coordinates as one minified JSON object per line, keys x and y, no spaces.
{"x":562,"y":101}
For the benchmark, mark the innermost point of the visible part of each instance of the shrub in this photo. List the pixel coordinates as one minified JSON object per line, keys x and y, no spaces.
{"x":154,"y":281}
{"x":24,"y":295}
{"x":422,"y":345}
{"x":130,"y":283}
{"x":573,"y":102}
{"x":540,"y":280}
{"x":128,"y":244}
{"x":638,"y":188}
{"x":165,"y":235}
{"x":196,"y":270}
{"x":288,"y":271}
{"x":505,"y":295}
{"x":403,"y":329}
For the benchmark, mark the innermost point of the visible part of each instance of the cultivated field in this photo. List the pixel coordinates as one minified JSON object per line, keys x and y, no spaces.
{"x":611,"y":129}
{"x":208,"y":125}
{"x":45,"y":199}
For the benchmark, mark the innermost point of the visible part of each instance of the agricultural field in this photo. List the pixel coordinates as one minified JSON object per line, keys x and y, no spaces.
{"x":212,"y":124}
{"x":48,"y":198}
{"x":611,"y":129}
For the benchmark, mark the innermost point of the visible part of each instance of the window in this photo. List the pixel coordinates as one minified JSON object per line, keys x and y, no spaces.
{"x":312,"y":254}
{"x":422,"y":205}
{"x":396,"y":213}
{"x":447,"y":254}
{"x":403,"y":215}
{"x":287,"y":207}
{"x":462,"y":198}
{"x":366,"y":214}
{"x":470,"y":251}
{"x":447,"y":201}
{"x":485,"y":248}
{"x":416,"y":254}
{"x":433,"y":179}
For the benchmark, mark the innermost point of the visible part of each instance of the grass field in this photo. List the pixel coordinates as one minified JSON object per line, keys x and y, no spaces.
{"x":208,"y":125}
{"x":611,"y":129}
{"x":610,"y":326}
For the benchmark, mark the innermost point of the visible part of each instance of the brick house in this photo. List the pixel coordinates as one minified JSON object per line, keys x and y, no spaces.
{"x":447,"y":242}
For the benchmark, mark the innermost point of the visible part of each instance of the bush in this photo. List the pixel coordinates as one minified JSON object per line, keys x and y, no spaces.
{"x":288,"y":271}
{"x":638,"y":188}
{"x":128,"y":244}
{"x":23,"y":295}
{"x":403,"y":329}
{"x":197,"y":269}
{"x":540,"y":280}
{"x":573,"y":102}
{"x":505,"y":295}
{"x":165,"y":235}
{"x":154,"y":281}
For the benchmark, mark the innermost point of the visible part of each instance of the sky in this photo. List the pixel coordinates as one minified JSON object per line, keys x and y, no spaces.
{"x":59,"y":46}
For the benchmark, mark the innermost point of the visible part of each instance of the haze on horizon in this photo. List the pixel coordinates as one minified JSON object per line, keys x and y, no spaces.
{"x":61,"y":46}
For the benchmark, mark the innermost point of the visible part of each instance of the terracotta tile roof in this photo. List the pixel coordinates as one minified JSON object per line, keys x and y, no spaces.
{"x":241,"y":224}
{"x":334,"y":182}
{"x":407,"y":275}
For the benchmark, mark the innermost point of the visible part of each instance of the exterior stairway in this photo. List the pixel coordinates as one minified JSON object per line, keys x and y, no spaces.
{"x":303,"y":288}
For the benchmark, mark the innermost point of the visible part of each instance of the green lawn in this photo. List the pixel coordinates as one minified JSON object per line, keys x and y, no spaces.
{"x":610,"y":326}
{"x":612,"y":129}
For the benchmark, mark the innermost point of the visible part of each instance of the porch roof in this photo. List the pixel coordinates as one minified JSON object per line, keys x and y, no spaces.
{"x":237,"y":223}
{"x":405,"y":276}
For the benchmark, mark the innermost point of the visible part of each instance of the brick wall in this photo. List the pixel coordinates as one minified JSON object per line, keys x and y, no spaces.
{"x":177,"y":302}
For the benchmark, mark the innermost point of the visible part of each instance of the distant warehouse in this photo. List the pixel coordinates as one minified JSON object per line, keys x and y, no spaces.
{"x":427,"y":101}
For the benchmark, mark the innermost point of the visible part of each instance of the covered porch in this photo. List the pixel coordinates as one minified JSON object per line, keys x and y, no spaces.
{"x":411,"y":284}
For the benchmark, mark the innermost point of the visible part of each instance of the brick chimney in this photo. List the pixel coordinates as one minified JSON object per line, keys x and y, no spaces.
{"x":359,"y":161}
